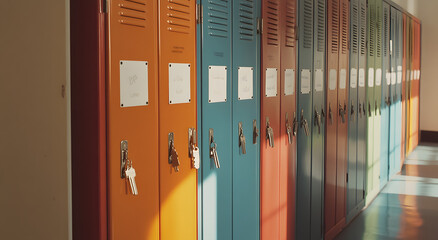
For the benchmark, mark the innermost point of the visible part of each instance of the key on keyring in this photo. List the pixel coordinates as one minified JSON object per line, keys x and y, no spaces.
{"x":130,"y":175}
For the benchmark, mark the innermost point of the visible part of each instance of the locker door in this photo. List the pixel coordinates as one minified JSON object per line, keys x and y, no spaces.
{"x":377,"y":97}
{"x":403,"y":93}
{"x":132,"y":116}
{"x":177,"y":85}
{"x":392,"y":126}
{"x":215,"y":84}
{"x":330,"y":177}
{"x":371,"y":27}
{"x":318,"y":111}
{"x":384,"y":134}
{"x":353,"y":181}
{"x":246,"y":110}
{"x":270,"y":120}
{"x":304,"y":116}
{"x":409,"y":88}
{"x":398,"y":87}
{"x":288,"y":119}
{"x":361,"y":97}
{"x":415,"y":85}
{"x":342,"y":138}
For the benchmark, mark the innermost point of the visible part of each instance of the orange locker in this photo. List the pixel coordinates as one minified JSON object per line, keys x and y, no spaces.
{"x":132,"y":114}
{"x":177,"y":101}
{"x":287,"y":119}
{"x":415,"y":97}
{"x":270,"y":134}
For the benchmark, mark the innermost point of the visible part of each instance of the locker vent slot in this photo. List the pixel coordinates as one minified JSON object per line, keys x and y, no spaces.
{"x":335,"y":26}
{"x":133,"y":13}
{"x":355,"y":40}
{"x":218,"y":18}
{"x":321,"y":26}
{"x":344,"y":27}
{"x":363,"y":27}
{"x":290,"y":24}
{"x":272,"y":23}
{"x":178,"y":16}
{"x":372,"y":34}
{"x":379,"y":31}
{"x":247,"y":20}
{"x":308,"y":23}
{"x":386,"y":37}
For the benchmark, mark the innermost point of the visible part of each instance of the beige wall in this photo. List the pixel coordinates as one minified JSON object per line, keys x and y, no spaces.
{"x":34,"y":120}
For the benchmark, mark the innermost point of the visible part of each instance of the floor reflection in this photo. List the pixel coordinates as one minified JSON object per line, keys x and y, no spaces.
{"x":407,"y":208}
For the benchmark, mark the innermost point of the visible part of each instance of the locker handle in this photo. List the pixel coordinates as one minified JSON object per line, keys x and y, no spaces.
{"x":342,"y":113}
{"x":360,"y":110}
{"x":295,"y":125}
{"x":255,"y":133}
{"x":369,"y":109}
{"x":173,"y":154}
{"x":330,"y":114}
{"x":242,"y":140}
{"x":213,"y":149}
{"x":304,"y":124}
{"x":364,"y":109}
{"x":269,"y":133}
{"x":352,"y":111}
{"x":318,"y":121}
{"x":288,"y":129}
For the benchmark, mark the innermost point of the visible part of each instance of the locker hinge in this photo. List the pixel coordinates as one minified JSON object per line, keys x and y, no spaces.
{"x":198,"y":13}
{"x":260,"y":25}
{"x":347,"y":177}
{"x":104,"y":8}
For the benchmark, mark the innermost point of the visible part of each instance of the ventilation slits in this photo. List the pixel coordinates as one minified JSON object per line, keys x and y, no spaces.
{"x":272,"y":23}
{"x":217,"y":18}
{"x":290,"y":24}
{"x":379,"y":31}
{"x":344,"y":27}
{"x":355,"y":30}
{"x":178,"y":16}
{"x":372,"y":34}
{"x":363,"y":27}
{"x":321,"y":26}
{"x":308,"y":23}
{"x":133,"y":13}
{"x":247,"y":20}
{"x":386,"y":31}
{"x":335,"y":26}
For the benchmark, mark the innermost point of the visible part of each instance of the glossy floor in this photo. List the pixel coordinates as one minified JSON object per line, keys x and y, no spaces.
{"x":407,"y":208}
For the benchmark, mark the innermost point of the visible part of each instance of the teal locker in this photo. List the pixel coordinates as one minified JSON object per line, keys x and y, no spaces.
{"x":228,"y":194}
{"x":385,"y":99}
{"x":304,"y":115}
{"x":398,"y":87}
{"x":393,"y":70}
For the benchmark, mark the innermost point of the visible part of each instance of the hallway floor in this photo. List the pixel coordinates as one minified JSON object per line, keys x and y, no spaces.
{"x":407,"y":208}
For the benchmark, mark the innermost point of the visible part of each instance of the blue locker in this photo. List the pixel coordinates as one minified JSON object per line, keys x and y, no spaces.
{"x":228,"y":192}
{"x":246,"y":112}
{"x":304,"y":116}
{"x":318,"y":115}
{"x":214,"y":54}
{"x":398,"y":92}
{"x":385,"y":103}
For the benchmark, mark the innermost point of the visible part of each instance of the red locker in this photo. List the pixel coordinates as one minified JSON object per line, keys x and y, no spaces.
{"x":177,"y":98}
{"x":288,"y":119}
{"x":337,"y":105}
{"x":270,"y":134}
{"x":330,"y":187}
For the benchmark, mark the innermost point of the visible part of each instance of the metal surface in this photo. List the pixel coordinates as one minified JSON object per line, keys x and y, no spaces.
{"x":177,"y":51}
{"x":133,"y":39}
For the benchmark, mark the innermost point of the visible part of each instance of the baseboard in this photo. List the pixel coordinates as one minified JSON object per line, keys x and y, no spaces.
{"x":429,"y":136}
{"x":335,"y":230}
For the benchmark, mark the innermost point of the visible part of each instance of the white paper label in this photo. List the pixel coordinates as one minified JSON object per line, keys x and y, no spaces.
{"x":388,"y":78}
{"x":371,"y":77}
{"x":217,"y":84}
{"x":134,"y":83}
{"x":399,"y":74}
{"x":179,"y":83}
{"x":333,"y":79}
{"x":245,"y":83}
{"x":353,"y":78}
{"x":319,"y":80}
{"x":289,"y":82}
{"x":305,"y":81}
{"x":378,"y":77}
{"x":343,"y":79}
{"x":271,"y":82}
{"x":361,"y":77}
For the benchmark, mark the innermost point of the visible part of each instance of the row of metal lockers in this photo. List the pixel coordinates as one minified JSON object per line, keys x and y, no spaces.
{"x":237,"y":119}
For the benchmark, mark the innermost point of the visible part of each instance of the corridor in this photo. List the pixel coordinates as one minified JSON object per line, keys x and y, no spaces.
{"x":407,"y":208}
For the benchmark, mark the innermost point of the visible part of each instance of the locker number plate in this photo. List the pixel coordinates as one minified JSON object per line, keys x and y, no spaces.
{"x":133,"y":83}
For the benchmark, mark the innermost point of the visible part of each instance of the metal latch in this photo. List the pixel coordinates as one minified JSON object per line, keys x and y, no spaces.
{"x":242,"y":140}
{"x":269,"y":133}
{"x":173,"y":154}
{"x":213,"y":148}
{"x":255,"y":132}
{"x":304,"y":124}
{"x":288,"y":129}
